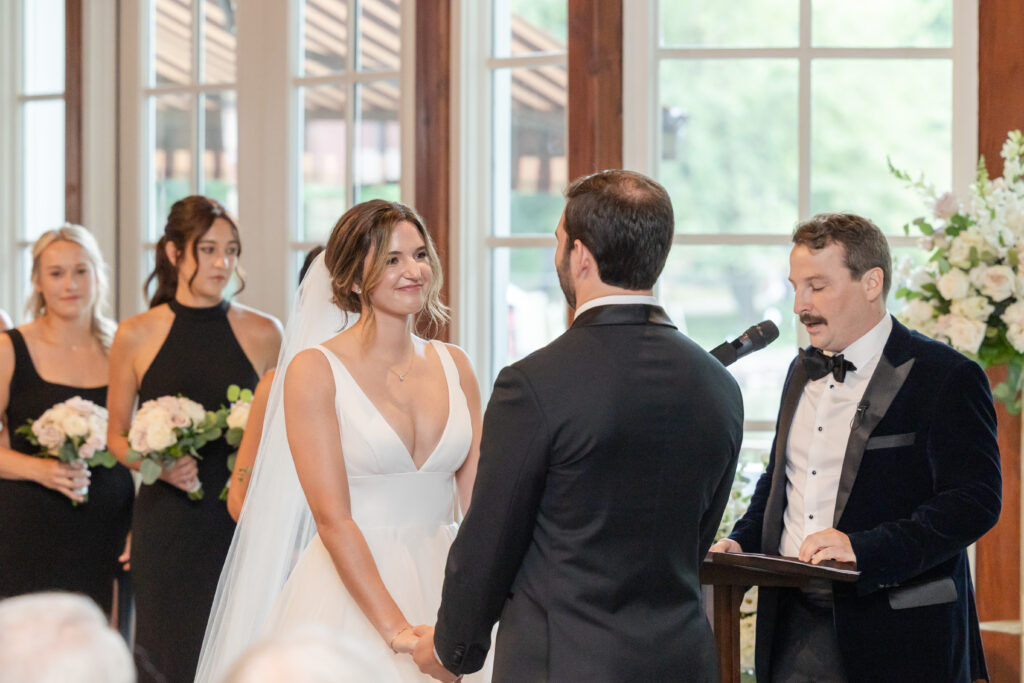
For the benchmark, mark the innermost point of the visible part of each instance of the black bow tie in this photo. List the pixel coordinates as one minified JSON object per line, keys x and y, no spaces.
{"x":817,"y":364}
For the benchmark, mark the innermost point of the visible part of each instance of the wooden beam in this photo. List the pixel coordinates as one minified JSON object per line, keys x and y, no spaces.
{"x":595,"y":86}
{"x":433,"y":145}
{"x":73,"y":59}
{"x":1000,"y":109}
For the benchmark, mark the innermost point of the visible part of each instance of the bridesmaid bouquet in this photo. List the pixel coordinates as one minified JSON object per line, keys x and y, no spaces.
{"x":167,"y":429}
{"x":72,"y":431}
{"x":235,"y":418}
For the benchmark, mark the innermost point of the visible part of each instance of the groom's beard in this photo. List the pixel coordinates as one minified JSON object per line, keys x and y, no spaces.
{"x":562,"y":268}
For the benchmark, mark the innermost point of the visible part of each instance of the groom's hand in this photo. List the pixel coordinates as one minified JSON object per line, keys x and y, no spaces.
{"x":426,"y":660}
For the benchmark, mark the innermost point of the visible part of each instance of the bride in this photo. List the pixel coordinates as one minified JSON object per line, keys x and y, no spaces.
{"x":353,"y":506}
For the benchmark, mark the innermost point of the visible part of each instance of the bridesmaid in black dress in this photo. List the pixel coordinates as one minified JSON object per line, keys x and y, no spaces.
{"x":190,"y":342}
{"x":46,"y":543}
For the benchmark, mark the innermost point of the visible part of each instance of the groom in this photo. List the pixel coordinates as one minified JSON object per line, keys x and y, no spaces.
{"x":606,"y":462}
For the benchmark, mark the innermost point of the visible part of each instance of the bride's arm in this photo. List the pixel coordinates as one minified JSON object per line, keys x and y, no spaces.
{"x":466,"y":475}
{"x":315,"y":443}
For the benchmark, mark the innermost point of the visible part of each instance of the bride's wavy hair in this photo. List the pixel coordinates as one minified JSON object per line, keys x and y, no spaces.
{"x":365,"y":229}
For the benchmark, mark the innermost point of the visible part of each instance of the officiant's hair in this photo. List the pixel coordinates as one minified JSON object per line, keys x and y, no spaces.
{"x":102,"y":325}
{"x":625,"y":219}
{"x":864,"y":245}
{"x":365,"y":229}
{"x":189,"y":219}
{"x":60,"y":638}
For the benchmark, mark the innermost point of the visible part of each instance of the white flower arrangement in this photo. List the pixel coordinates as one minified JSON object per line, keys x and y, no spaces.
{"x":970,"y":294}
{"x":166,"y":429}
{"x":72,"y":431}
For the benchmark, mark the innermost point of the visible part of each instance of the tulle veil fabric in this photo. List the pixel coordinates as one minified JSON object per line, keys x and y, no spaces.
{"x":275,"y":524}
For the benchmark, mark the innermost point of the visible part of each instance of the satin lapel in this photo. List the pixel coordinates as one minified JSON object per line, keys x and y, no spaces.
{"x":881,"y":390}
{"x":771,"y":530}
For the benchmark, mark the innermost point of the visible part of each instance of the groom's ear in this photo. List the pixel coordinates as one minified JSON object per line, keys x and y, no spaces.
{"x":582,"y":261}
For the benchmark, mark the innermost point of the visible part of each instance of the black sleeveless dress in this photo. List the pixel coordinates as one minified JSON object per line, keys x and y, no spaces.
{"x":179,"y":545}
{"x":46,"y":543}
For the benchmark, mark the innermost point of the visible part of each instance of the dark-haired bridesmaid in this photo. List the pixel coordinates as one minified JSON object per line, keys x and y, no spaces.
{"x":194,"y":343}
{"x":46,"y":542}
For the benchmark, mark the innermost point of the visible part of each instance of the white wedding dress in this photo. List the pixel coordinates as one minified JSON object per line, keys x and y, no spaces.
{"x":407,"y":516}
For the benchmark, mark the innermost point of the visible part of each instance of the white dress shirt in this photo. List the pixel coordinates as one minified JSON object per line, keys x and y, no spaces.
{"x":616,"y":300}
{"x":817,"y":440}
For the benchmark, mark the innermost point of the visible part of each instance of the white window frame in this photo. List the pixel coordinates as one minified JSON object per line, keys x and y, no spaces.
{"x":480,"y":180}
{"x":642,"y":56}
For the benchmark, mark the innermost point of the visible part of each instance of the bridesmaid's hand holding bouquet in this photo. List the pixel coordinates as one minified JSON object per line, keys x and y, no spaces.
{"x":165,"y":430}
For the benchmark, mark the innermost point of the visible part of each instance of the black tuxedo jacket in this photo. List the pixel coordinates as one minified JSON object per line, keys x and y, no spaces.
{"x":606,"y":462}
{"x":920,"y":482}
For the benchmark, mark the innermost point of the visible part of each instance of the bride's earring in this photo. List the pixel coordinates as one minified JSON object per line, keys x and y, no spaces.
{"x":357,"y":289}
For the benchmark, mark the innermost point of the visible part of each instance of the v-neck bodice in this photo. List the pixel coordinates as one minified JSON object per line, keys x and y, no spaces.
{"x":372,"y":446}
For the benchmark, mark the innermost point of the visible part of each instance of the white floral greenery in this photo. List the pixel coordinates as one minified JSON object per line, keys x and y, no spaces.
{"x":970,"y":293}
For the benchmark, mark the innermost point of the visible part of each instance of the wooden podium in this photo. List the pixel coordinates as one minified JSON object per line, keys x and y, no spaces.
{"x":729,"y":575}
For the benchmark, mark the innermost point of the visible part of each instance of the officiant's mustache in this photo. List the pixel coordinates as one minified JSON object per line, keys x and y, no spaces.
{"x":808,"y":319}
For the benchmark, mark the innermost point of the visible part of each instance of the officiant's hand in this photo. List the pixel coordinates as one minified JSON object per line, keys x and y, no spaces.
{"x":829,"y":544}
{"x":726,"y":545}
{"x":425,"y":658}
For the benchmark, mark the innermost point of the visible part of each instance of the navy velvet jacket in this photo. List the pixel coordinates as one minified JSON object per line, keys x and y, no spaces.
{"x":920,"y":482}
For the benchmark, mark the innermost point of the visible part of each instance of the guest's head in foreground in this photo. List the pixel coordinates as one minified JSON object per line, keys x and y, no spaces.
{"x":615,"y":232}
{"x":841,"y":271}
{"x":383,"y":262}
{"x":308,"y":261}
{"x":69,"y":280}
{"x":60,"y":638}
{"x":310,"y":654}
{"x":197,"y":255}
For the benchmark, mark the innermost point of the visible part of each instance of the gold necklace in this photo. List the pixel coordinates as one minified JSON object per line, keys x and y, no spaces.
{"x":401,"y":376}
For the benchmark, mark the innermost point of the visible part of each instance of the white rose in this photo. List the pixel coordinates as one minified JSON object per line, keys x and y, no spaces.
{"x":945,"y":206}
{"x":97,"y":426}
{"x":179,"y":419}
{"x":196,"y":413}
{"x":238,"y":415}
{"x":960,"y":249}
{"x":160,"y":436}
{"x":999,"y":283}
{"x":76,"y":425}
{"x":918,"y":311}
{"x":137,"y":439}
{"x":953,"y":285}
{"x":918,"y":278}
{"x":48,"y":434}
{"x":1014,"y":314}
{"x":973,"y":307}
{"x":97,"y":441}
{"x":1015,"y":335}
{"x":965,"y":334}
{"x":977,"y":276}
{"x":81,"y":406}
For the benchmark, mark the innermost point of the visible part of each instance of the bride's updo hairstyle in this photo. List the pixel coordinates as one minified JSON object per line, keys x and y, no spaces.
{"x":102,"y":325}
{"x":364,"y":229}
{"x":190,"y":218}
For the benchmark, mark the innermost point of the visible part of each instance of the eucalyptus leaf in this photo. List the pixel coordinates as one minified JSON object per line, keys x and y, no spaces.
{"x":246,"y":396}
{"x":150,"y":471}
{"x":233,"y":392}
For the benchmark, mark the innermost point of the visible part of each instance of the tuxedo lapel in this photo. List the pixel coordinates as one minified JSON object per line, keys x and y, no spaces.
{"x":771,"y":532}
{"x":885,"y":383}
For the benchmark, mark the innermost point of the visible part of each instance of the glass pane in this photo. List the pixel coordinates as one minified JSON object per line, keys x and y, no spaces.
{"x":378,"y":142}
{"x":525,"y":27}
{"x":379,"y":30}
{"x":730,"y":170}
{"x":324,"y":160}
{"x":43,"y":154}
{"x":714,"y":293}
{"x":220,"y":157}
{"x":44,"y":29}
{"x":220,"y":43}
{"x":911,"y":123}
{"x":530,"y":146}
{"x":172,"y":156}
{"x":172,"y":41}
{"x":882,"y":23}
{"x":529,"y":309}
{"x":325,"y":37}
{"x":753,"y":460}
{"x":740,"y":23}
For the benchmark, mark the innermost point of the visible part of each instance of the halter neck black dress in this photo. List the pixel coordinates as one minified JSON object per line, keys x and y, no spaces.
{"x":46,"y":543}
{"x":179,"y":545}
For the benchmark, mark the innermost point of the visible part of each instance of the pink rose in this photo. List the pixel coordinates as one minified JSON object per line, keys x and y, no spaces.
{"x":945,"y":206}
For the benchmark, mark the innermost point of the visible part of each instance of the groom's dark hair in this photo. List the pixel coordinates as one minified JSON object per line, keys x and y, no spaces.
{"x":625,"y":219}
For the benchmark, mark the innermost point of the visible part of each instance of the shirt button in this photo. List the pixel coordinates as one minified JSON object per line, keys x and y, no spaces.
{"x":819,"y":429}
{"x":814,"y":471}
{"x":811,"y":516}
{"x":831,"y":386}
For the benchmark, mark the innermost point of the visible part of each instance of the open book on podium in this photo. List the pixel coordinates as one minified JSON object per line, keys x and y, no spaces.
{"x":727,"y":576}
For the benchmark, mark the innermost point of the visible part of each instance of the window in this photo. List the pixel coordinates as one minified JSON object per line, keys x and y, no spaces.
{"x":763,"y":114}
{"x":515,"y":169}
{"x":34,"y":149}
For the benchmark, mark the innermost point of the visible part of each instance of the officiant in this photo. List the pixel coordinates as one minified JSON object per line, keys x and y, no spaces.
{"x":885,"y":455}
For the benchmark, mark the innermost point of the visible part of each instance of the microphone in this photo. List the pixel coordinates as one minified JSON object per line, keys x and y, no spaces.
{"x":754,"y":339}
